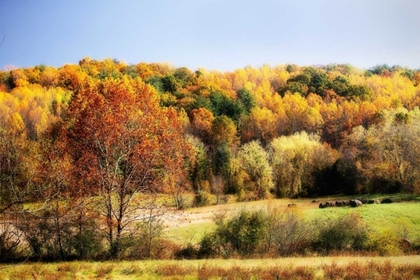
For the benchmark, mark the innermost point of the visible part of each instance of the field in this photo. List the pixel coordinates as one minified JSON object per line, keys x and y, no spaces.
{"x":190,"y":225}
{"x":405,"y":267}
{"x":403,"y":218}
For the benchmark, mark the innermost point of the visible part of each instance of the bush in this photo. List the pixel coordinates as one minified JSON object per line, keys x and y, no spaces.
{"x":384,"y":242}
{"x":58,"y":236}
{"x":202,"y":198}
{"x":240,"y":235}
{"x":189,"y":252}
{"x":136,"y":248}
{"x":344,"y":233}
{"x":288,"y":232}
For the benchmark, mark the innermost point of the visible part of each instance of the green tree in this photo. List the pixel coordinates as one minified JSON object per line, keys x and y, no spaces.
{"x":246,"y":100}
{"x":170,"y":84}
{"x":223,"y":105}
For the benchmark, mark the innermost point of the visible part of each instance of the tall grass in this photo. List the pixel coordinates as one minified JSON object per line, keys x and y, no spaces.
{"x":288,"y":268}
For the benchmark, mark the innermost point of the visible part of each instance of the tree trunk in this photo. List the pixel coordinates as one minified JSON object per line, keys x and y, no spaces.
{"x":58,"y":230}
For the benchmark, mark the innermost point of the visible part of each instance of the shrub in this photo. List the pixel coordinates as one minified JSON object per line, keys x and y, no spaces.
{"x":288,"y":232}
{"x":347,"y":232}
{"x":54,"y":235}
{"x":240,"y":235}
{"x":188,"y":252}
{"x":384,"y":242}
{"x":202,"y":198}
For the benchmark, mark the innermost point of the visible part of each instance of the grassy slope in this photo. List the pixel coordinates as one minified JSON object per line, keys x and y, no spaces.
{"x":403,"y":218}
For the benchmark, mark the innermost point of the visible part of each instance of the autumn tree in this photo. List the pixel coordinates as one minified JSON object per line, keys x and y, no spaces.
{"x":294,"y":158}
{"x":201,"y":121}
{"x":200,"y":170}
{"x":124,"y":144}
{"x":16,"y":163}
{"x":224,"y":130}
{"x":255,"y":162}
{"x":17,"y":187}
{"x":386,"y":153}
{"x":261,"y":124}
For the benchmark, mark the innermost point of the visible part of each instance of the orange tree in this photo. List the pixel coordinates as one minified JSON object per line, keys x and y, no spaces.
{"x":123,"y":144}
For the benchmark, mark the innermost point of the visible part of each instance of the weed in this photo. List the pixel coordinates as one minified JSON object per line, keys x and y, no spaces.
{"x":171,"y":270}
{"x":355,"y":271}
{"x":20,"y":275}
{"x":304,"y":272}
{"x":67,"y":267}
{"x":132,"y":269}
{"x":104,"y":270}
{"x":333,"y":271}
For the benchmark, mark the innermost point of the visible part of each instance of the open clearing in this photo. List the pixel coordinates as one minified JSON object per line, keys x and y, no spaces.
{"x":190,"y":225}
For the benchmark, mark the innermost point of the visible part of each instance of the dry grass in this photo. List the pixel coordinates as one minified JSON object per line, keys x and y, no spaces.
{"x":405,"y":267}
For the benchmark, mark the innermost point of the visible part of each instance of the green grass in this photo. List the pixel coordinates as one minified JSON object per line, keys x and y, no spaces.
{"x":189,"y":234}
{"x":397,"y":217}
{"x":403,"y":218}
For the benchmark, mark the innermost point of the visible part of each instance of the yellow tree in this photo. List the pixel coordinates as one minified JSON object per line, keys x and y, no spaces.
{"x":261,"y":124}
{"x":201,"y":121}
{"x":224,"y":130}
{"x":294,"y":158}
{"x":255,"y":162}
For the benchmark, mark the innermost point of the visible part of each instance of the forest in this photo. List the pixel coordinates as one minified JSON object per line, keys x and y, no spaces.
{"x":120,"y":136}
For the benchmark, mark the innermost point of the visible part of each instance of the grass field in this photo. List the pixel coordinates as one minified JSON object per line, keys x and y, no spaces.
{"x":402,"y":218}
{"x":190,"y":225}
{"x":405,"y":267}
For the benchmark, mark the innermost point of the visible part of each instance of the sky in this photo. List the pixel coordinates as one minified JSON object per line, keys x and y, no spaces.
{"x":213,"y":34}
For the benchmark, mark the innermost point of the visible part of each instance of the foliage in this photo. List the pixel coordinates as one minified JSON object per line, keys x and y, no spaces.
{"x":106,"y":131}
{"x":294,"y":159}
{"x":346,"y":232}
{"x":255,"y":163}
{"x":241,"y":235}
{"x":128,"y":143}
{"x":288,"y":232}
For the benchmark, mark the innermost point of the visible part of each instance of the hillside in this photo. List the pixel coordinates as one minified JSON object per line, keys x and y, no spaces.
{"x":87,"y":147}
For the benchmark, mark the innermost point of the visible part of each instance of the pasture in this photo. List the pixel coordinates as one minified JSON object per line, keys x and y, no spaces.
{"x":401,"y":218}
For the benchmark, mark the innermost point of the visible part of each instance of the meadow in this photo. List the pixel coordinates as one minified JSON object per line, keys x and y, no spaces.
{"x":401,"y":218}
{"x":344,"y":267}
{"x":188,"y":226}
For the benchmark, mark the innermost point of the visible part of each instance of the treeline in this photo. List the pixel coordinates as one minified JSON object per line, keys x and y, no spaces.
{"x":87,"y":140}
{"x":288,"y":130}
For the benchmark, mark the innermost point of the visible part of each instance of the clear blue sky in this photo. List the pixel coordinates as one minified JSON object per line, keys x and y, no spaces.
{"x":217,"y":34}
